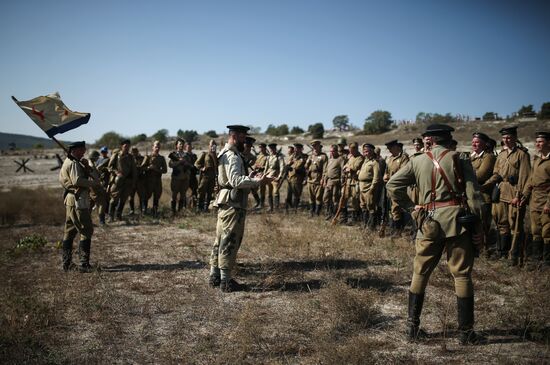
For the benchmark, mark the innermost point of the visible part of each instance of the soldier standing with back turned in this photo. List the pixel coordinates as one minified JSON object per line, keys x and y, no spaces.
{"x":448,"y":190}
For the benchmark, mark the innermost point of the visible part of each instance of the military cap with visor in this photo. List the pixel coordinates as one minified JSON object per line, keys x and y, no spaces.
{"x":272,"y":145}
{"x":249,"y":140}
{"x":124,"y":141}
{"x":238,"y":128}
{"x":485,"y":138}
{"x":509,"y":131}
{"x":298,"y":145}
{"x":77,"y":144}
{"x":542,"y":134}
{"x":394,"y":142}
{"x":314,"y":142}
{"x":369,"y":145}
{"x":418,"y":140}
{"x":438,"y":130}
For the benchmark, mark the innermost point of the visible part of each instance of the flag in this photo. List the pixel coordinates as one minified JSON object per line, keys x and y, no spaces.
{"x":51,"y":115}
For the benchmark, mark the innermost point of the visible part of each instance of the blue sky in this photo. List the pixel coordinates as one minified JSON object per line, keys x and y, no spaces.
{"x":141,"y":66}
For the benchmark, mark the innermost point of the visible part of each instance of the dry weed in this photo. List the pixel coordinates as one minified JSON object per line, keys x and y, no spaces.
{"x":31,"y":206}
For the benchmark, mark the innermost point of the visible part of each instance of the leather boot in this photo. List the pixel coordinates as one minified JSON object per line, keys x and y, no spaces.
{"x":364,"y":219}
{"x":200,"y":207}
{"x":102,"y":219}
{"x":371,"y":222}
{"x":312,"y":209}
{"x":344,"y":216}
{"x":329,"y":212}
{"x":416,"y":301}
{"x":505,"y":243}
{"x":67,"y":255}
{"x":318,"y":209}
{"x":155,"y":211}
{"x":257,"y":199}
{"x":181,"y":203}
{"x":84,"y":253}
{"x":270,"y":204}
{"x":277,"y":202}
{"x":132,"y":206}
{"x":465,"y":311}
{"x":534,"y":255}
{"x":144,"y":207}
{"x":262,"y":202}
{"x":112,"y":210}
{"x":546,"y":256}
{"x":173,"y":204}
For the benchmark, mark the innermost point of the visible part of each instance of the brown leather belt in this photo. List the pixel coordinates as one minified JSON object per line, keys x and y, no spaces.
{"x":447,"y":203}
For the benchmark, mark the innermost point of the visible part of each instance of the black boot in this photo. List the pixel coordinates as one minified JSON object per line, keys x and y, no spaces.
{"x":546,"y":256}
{"x":329,"y":211}
{"x":312,"y":208}
{"x":344,"y":216}
{"x":277,"y":202}
{"x":257,"y":199}
{"x":534,"y":255}
{"x":505,"y":243}
{"x":112,"y":210}
{"x":514,"y":260}
{"x":181,"y":204}
{"x":364,"y":219}
{"x":318,"y":209}
{"x":270,"y":204}
{"x":467,"y":335}
{"x":144,"y":208}
{"x":200,"y":207}
{"x":132,"y":206}
{"x":371,"y":222}
{"x":84,"y":253}
{"x":102,"y":219}
{"x":67,"y":255}
{"x":416,"y":301}
{"x":173,"y":204}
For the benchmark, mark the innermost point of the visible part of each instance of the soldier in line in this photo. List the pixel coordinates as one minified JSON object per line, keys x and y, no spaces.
{"x":483,"y":162}
{"x":286,"y":170}
{"x":537,"y":194}
{"x":98,"y":195}
{"x":193,"y":182}
{"x":342,"y":150}
{"x":207,"y":164}
{"x":231,"y":202}
{"x":418,"y":145}
{"x":123,"y":171}
{"x":369,"y":183}
{"x":440,"y":227}
{"x":296,"y":176}
{"x":141,"y":183}
{"x":250,"y":159}
{"x":332,"y":181}
{"x":315,"y":165}
{"x":259,"y":168}
{"x":394,"y":163}
{"x":274,"y":170}
{"x":154,"y":166}
{"x":180,"y":163}
{"x":511,"y":173}
{"x":351,"y":169}
{"x":75,"y":179}
{"x":381,"y":187}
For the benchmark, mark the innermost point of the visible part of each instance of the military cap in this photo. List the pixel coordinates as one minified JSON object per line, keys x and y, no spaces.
{"x":368,"y":145}
{"x":77,"y":144}
{"x":438,"y":130}
{"x":124,"y":141}
{"x":354,"y":144}
{"x":393,"y":143}
{"x":238,"y":128}
{"x":104,"y":149}
{"x":454,"y":142}
{"x":509,"y":130}
{"x":542,"y":134}
{"x":377,"y":150}
{"x":249,"y":140}
{"x":94,"y":155}
{"x":491,"y":144}
{"x":298,"y":145}
{"x":134,"y":149}
{"x":342,"y":141}
{"x":262,"y":144}
{"x":314,"y":142}
{"x":272,"y":145}
{"x":485,"y":138}
{"x":418,"y":140}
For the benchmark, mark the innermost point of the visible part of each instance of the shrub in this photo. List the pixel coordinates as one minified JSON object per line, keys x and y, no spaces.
{"x":317,"y":130}
{"x":211,"y":134}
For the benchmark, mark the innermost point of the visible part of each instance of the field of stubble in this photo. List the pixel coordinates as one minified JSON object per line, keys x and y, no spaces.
{"x":316,"y":294}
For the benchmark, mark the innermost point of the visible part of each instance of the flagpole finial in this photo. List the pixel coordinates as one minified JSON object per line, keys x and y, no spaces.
{"x":14,"y":99}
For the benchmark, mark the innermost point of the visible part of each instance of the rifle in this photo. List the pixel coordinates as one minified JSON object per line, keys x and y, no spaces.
{"x":343,"y":199}
{"x":384,"y":218}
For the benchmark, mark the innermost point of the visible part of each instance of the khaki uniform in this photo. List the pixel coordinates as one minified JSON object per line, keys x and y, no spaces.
{"x":154,"y":167}
{"x":352,"y":183}
{"x":394,"y":164}
{"x":231,"y":202}
{"x":332,"y":181}
{"x":513,"y":168}
{"x":296,"y":177}
{"x":452,"y":236}
{"x":77,"y":184}
{"x":98,"y":194}
{"x":413,"y":189}
{"x":180,"y":163}
{"x":207,"y":164}
{"x":315,"y":165}
{"x":369,"y":183}
{"x":259,"y":167}
{"x":141,"y":183}
{"x":123,"y":185}
{"x":274,"y":168}
{"x":537,"y":192}
{"x":483,"y":165}
{"x":193,"y":181}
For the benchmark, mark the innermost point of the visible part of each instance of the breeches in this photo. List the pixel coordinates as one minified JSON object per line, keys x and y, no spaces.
{"x":315,"y":193}
{"x":179,"y":187}
{"x":229,"y":235}
{"x":460,"y":259}
{"x":154,"y":188}
{"x":366,"y":199}
{"x":77,"y":221}
{"x":331,"y":195}
{"x":504,"y":215}
{"x":540,"y":226}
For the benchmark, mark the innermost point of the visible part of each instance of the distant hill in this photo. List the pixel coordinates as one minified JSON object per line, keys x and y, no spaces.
{"x":23,"y":141}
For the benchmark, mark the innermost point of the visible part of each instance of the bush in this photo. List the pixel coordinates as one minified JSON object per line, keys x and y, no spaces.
{"x":317,"y":130}
{"x":32,"y":242}
{"x":161,"y":135}
{"x":139,"y":138}
{"x":277,"y":131}
{"x":212,"y":134}
{"x":296,"y":130}
{"x":109,"y":139}
{"x":188,"y":135}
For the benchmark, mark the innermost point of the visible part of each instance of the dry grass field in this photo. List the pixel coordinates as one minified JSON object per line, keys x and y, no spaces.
{"x":316,"y":294}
